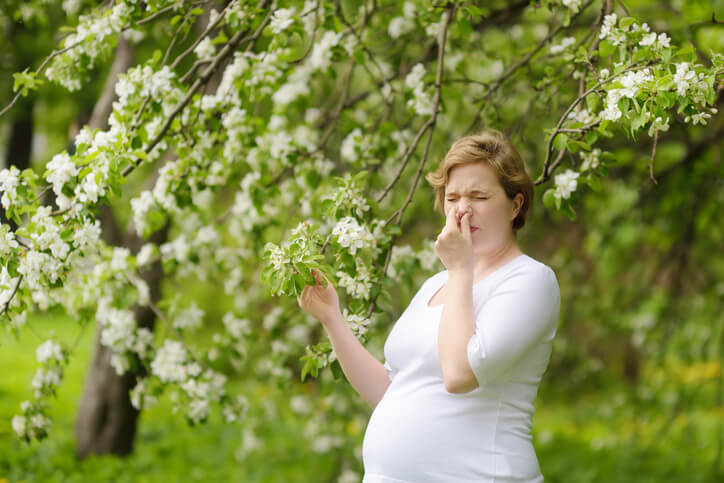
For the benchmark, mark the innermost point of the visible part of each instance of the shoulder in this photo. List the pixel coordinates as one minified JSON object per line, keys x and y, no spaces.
{"x":531,"y":274}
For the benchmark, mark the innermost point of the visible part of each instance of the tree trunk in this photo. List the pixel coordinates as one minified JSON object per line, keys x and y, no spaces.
{"x":106,"y":420}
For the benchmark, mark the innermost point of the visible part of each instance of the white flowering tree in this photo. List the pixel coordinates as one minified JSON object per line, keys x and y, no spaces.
{"x":251,"y":142}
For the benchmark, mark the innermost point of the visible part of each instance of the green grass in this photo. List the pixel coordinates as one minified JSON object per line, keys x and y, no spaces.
{"x":574,"y":440}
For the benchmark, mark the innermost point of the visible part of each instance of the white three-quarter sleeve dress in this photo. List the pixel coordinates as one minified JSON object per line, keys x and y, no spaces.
{"x":421,"y":433}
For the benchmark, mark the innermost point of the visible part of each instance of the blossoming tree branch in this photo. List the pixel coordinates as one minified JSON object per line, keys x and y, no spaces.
{"x":272,"y":138}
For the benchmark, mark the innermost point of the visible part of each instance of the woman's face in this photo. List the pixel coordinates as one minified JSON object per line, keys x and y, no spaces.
{"x":474,"y":187}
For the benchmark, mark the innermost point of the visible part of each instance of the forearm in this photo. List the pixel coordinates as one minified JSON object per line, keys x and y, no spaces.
{"x":457,"y":325}
{"x":367,"y":375}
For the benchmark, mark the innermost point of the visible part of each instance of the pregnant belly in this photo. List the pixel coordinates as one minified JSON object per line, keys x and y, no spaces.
{"x":437,"y":436}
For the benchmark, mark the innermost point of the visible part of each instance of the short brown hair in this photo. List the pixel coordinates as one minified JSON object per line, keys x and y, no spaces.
{"x":492,"y":148}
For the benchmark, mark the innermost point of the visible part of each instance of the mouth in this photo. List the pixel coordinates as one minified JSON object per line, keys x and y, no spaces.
{"x":472,"y":228}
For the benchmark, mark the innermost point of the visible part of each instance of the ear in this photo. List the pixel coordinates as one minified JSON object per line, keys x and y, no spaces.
{"x":517,"y":204}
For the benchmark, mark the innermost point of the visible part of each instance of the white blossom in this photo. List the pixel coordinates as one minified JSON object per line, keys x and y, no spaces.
{"x":565,"y":43}
{"x":663,"y":41}
{"x":413,"y":80}
{"x":190,"y":318}
{"x":60,"y":169}
{"x":566,"y":183}
{"x":648,"y":39}
{"x":7,"y":241}
{"x":20,"y":426}
{"x":609,"y":22}
{"x":9,"y":180}
{"x":351,"y":145}
{"x":45,"y":379}
{"x":350,"y":234}
{"x":118,"y":327}
{"x":359,"y":286}
{"x":47,"y":351}
{"x":235,"y":326}
{"x":281,"y":20}
{"x":590,"y":159}
{"x":205,"y":49}
{"x":698,"y":118}
{"x":659,"y":124}
{"x":321,"y":55}
{"x":290,"y":91}
{"x":683,"y":78}
{"x":573,"y":5}
{"x":168,"y":365}
{"x":400,"y":26}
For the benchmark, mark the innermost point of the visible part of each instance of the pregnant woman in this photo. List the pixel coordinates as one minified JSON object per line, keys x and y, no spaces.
{"x":453,"y":401}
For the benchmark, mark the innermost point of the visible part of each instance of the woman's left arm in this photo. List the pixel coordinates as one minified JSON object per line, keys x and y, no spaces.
{"x":516,"y":316}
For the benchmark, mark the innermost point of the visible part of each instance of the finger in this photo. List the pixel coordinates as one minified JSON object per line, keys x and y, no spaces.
{"x":450,"y":220}
{"x":465,"y":224}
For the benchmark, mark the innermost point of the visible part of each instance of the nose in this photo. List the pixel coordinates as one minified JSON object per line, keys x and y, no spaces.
{"x":462,"y":208}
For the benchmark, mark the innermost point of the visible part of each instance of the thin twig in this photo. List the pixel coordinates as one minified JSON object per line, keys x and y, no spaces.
{"x":651,"y":161}
{"x":38,"y":71}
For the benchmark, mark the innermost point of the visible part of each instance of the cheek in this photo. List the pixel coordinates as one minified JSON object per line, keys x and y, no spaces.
{"x":490,"y":214}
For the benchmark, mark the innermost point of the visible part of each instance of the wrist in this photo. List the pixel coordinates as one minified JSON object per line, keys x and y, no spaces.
{"x":461,"y":275}
{"x":332,"y":319}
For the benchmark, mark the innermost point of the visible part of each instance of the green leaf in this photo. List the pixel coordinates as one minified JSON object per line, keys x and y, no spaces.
{"x":592,"y":102}
{"x":575,"y":146}
{"x":560,"y":142}
{"x":549,"y":198}
{"x":25,"y":82}
{"x":337,"y":371}
{"x":627,"y":22}
{"x":566,"y":20}
{"x":591,"y":137}
{"x":605,"y":49}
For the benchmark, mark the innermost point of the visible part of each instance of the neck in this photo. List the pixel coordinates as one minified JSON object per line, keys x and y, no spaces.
{"x":489,"y":261}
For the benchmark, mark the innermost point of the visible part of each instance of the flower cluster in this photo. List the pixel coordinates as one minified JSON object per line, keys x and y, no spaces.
{"x":33,"y":424}
{"x":357,"y":323}
{"x":281,"y":20}
{"x":9,"y":180}
{"x":347,"y":198}
{"x":353,"y":236}
{"x":90,"y":39}
{"x":205,"y":49}
{"x":632,"y":83}
{"x":590,"y":159}
{"x":421,"y":103}
{"x":358,"y":286}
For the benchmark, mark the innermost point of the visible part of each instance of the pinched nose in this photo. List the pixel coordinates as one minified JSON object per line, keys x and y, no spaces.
{"x":460,"y":214}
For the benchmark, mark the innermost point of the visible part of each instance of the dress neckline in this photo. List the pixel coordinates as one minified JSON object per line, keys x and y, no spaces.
{"x":486,"y":278}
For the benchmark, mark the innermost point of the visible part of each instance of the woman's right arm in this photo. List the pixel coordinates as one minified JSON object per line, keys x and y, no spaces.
{"x":366,"y":374}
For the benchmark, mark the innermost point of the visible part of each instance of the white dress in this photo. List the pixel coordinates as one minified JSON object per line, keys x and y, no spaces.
{"x":421,"y":433}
